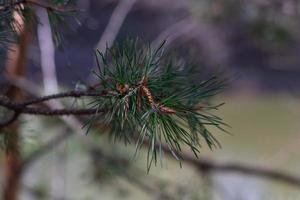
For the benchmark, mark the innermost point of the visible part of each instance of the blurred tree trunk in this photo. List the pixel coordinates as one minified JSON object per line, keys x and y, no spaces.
{"x":15,"y":67}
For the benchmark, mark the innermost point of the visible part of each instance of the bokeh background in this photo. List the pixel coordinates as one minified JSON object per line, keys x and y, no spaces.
{"x":255,"y":42}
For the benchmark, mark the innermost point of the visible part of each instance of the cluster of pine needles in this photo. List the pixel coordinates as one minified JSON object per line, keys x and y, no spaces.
{"x":155,"y":99}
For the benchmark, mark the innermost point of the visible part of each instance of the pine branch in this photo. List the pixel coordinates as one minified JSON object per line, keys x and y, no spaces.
{"x":74,"y":93}
{"x":59,"y":112}
{"x":141,"y":91}
{"x":5,"y":102}
{"x":199,"y":163}
{"x":157,"y":98}
{"x":21,"y":107}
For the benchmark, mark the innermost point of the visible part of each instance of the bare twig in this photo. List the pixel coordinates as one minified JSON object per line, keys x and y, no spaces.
{"x":22,"y":107}
{"x":75,"y":94}
{"x":19,"y":108}
{"x":202,"y":164}
{"x":57,"y":112}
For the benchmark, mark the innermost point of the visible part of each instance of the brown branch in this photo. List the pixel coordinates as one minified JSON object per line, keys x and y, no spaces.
{"x":199,"y":164}
{"x":22,"y":107}
{"x":75,"y":94}
{"x":59,"y":112}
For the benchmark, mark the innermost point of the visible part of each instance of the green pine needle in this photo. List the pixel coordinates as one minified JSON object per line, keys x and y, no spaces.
{"x":152,"y":98}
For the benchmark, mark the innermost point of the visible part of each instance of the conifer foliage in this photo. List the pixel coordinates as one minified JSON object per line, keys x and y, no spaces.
{"x":151,"y":96}
{"x":142,"y":93}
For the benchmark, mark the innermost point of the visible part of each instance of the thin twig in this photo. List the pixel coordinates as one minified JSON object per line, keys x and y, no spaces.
{"x":59,"y":112}
{"x":207,"y":165}
{"x":75,"y":94}
{"x":22,"y":107}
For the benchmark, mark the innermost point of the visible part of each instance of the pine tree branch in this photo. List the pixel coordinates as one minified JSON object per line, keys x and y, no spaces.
{"x":5,"y":102}
{"x":44,"y":111}
{"x":22,"y":107}
{"x":75,"y":94}
{"x":58,"y":112}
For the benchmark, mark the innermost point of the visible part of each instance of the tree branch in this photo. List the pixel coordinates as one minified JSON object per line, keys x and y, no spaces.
{"x":200,"y":164}
{"x":58,"y":112}
{"x":75,"y":94}
{"x":22,"y":107}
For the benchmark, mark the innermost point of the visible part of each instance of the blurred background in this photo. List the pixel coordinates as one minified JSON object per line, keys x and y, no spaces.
{"x":257,"y":43}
